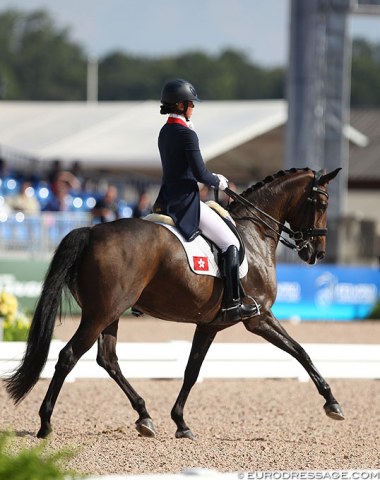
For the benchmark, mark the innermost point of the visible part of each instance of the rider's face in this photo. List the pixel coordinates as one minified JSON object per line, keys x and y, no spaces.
{"x":189,"y":110}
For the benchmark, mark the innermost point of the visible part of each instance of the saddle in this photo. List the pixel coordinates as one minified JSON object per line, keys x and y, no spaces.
{"x":202,"y":254}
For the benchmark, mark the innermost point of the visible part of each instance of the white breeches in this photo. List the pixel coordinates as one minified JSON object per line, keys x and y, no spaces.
{"x":214,"y":228}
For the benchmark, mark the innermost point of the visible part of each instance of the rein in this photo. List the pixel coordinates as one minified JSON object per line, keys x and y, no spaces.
{"x":302,"y":236}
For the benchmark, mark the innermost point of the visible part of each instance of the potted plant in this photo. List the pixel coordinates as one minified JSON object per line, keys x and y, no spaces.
{"x":14,"y":323}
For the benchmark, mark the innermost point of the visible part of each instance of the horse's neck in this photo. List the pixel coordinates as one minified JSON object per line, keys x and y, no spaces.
{"x":280,"y":198}
{"x":276,"y":202}
{"x":269,"y":200}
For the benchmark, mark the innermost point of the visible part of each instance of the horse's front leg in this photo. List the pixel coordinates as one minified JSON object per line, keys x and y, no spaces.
{"x":203,"y":338}
{"x":268,"y":327}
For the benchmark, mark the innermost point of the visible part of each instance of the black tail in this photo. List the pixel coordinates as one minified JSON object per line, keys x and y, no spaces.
{"x":67,"y":254}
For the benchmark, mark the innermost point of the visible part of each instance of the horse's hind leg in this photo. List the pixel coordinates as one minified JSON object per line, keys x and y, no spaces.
{"x":107,"y":359}
{"x":271,"y":329}
{"x":82,"y":340}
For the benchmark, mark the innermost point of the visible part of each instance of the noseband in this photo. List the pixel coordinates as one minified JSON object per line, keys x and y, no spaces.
{"x":301,"y":237}
{"x":308,"y":233}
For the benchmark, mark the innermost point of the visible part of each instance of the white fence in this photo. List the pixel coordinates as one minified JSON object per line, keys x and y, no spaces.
{"x":224,"y":360}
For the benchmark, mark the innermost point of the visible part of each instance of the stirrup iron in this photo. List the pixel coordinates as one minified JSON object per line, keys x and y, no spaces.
{"x":257,"y":305}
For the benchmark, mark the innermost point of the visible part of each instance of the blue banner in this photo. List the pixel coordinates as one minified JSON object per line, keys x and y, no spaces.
{"x":326,"y":292}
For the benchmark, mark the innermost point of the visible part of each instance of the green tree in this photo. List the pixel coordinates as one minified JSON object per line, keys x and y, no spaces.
{"x":365,"y":78}
{"x":225,"y":77}
{"x":123,"y":77}
{"x":9,"y":85}
{"x":38,"y":61}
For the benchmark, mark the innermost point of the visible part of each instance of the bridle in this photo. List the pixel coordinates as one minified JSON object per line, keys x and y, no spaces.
{"x":301,"y":238}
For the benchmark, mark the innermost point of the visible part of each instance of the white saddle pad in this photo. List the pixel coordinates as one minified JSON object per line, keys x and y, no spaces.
{"x":201,"y":258}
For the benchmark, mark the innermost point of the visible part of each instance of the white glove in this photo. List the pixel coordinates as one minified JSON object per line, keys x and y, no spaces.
{"x":223,"y":182}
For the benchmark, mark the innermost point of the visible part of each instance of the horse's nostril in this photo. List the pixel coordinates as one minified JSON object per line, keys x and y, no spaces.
{"x":321,"y":255}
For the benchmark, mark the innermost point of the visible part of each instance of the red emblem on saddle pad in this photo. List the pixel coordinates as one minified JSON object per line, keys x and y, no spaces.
{"x":200,"y":263}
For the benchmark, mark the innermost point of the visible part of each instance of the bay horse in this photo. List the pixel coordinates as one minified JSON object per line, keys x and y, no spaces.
{"x":132,"y":262}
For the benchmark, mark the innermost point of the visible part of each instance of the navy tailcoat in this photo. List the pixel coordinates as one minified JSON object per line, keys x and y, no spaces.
{"x":183,"y":167}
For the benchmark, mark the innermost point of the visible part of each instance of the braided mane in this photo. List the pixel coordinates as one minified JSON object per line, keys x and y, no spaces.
{"x":269,"y":179}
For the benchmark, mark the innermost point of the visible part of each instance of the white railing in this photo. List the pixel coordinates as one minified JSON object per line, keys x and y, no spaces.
{"x":38,"y":233}
{"x":224,"y":360}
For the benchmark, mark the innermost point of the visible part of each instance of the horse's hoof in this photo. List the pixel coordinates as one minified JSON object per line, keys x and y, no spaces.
{"x":43,"y":432}
{"x":185,"y":434}
{"x":145,"y":427}
{"x":334,"y":411}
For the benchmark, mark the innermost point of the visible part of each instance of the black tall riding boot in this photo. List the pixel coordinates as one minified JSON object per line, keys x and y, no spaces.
{"x":233,"y":310}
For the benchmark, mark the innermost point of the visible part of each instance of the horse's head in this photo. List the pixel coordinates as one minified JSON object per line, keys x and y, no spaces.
{"x":298,"y":196}
{"x":310,"y":219}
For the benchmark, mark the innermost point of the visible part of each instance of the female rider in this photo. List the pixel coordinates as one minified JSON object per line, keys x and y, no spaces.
{"x":183,"y":167}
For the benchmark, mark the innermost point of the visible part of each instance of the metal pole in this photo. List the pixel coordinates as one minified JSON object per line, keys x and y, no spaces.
{"x":305,"y":127}
{"x":92,"y":79}
{"x":318,"y":97}
{"x":338,"y":75}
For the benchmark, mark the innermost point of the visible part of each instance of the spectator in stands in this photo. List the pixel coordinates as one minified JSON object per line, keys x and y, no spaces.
{"x":106,"y":208}
{"x":4,"y":209}
{"x":60,"y":200}
{"x":25,"y":201}
{"x":143,"y":206}
{"x":5,"y":170}
{"x":77,"y":171}
{"x":57,"y":176}
{"x":55,"y":170}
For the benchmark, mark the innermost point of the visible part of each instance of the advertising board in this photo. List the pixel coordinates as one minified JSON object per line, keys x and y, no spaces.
{"x":319,"y":292}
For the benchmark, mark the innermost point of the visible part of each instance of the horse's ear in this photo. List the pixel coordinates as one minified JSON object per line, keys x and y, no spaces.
{"x":328,"y":177}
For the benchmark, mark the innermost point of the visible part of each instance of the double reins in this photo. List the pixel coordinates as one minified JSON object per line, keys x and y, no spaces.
{"x":301,"y":237}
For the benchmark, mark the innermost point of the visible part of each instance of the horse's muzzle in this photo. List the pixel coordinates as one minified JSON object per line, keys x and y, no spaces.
{"x":321,"y":255}
{"x":310,"y":255}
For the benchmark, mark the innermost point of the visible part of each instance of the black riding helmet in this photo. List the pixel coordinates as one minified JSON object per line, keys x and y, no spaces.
{"x":178,"y":90}
{"x":174,"y":92}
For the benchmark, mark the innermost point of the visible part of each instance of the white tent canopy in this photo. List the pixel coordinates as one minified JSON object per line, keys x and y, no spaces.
{"x":123,"y":135}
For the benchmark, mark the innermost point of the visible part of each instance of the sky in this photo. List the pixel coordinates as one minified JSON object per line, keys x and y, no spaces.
{"x":259,"y":28}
